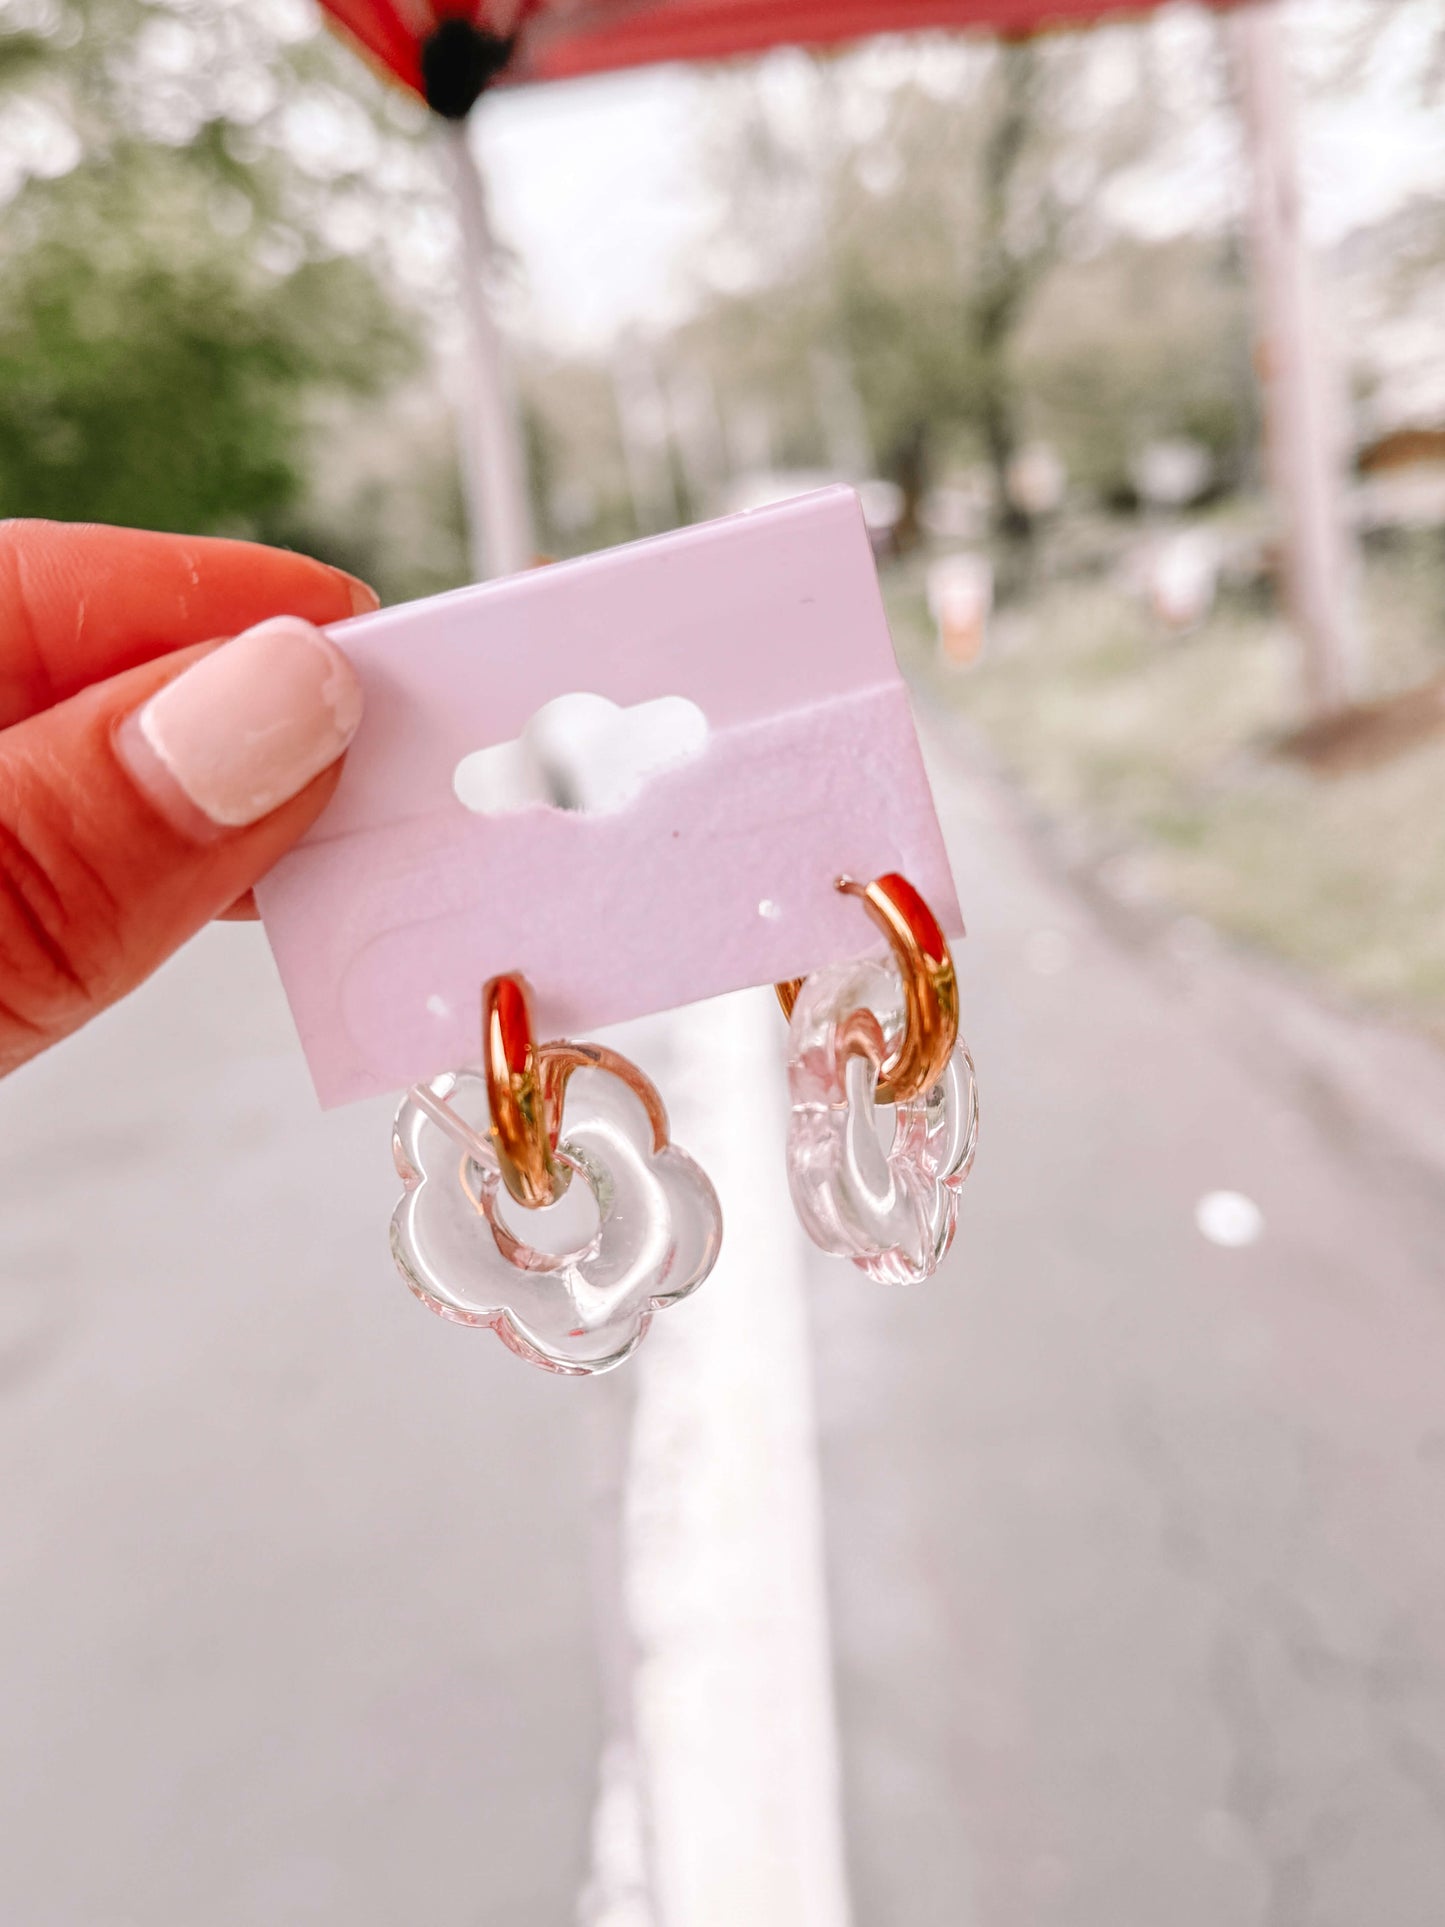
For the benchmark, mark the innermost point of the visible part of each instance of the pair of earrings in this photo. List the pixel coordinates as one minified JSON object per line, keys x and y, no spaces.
{"x":545,"y":1198}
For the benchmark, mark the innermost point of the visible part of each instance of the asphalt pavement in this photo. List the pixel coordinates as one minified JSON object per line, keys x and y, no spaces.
{"x":297,"y":1595}
{"x":1136,"y":1539}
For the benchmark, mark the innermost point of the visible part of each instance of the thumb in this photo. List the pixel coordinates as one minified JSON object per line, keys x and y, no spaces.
{"x":133,"y":813}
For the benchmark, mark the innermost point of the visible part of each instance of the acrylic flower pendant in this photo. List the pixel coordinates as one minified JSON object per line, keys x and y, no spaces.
{"x":571,"y":1286}
{"x":875,"y":1183}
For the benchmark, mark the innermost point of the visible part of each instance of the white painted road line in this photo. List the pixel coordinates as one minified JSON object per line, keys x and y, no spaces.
{"x":737,"y":1753}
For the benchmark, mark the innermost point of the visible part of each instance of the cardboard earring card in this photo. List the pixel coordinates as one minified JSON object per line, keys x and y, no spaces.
{"x":743,"y":737}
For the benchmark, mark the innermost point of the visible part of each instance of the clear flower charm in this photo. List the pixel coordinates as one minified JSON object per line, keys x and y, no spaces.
{"x":571,"y":1286}
{"x":875,"y":1183}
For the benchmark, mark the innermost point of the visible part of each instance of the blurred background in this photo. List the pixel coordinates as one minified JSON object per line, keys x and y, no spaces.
{"x":1104,"y":1582}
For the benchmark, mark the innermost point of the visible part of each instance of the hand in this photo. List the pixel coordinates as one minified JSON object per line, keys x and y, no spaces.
{"x":150,"y":772}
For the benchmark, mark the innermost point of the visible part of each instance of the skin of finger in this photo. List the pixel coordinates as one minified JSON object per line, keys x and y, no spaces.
{"x":80,"y":603}
{"x":96,"y":888}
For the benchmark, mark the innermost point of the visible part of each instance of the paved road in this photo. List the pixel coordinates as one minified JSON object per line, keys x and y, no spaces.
{"x":1135,"y":1543}
{"x":295,"y":1600}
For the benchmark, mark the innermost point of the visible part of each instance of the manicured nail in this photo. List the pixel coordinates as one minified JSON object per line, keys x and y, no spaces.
{"x":363,"y":599}
{"x":248,"y":726}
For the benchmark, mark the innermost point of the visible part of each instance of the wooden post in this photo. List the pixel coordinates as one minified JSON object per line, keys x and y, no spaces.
{"x":494,"y":459}
{"x":1302,"y":389}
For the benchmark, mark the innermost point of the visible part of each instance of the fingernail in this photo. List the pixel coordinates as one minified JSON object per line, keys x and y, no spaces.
{"x":248,"y":726}
{"x":364,"y":600}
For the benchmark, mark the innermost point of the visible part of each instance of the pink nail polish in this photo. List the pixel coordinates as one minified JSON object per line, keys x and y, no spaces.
{"x":364,"y":599}
{"x":248,"y":726}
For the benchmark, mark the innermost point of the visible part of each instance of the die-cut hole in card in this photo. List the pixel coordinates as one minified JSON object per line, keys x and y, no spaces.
{"x":582,"y":752}
{"x":617,"y":887}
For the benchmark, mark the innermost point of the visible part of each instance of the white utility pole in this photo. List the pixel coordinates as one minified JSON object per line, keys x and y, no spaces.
{"x":494,"y":458}
{"x":1301,"y":382}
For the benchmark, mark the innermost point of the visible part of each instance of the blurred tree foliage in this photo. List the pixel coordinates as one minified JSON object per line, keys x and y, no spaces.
{"x":957,"y":247}
{"x":174,"y":300}
{"x":149,"y":373}
{"x":1139,"y":343}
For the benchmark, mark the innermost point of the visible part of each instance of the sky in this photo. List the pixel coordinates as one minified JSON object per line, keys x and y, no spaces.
{"x":602,"y":188}
{"x":599,"y":188}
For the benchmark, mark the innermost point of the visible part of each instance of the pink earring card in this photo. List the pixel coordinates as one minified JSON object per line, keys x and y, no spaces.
{"x":745,"y":739}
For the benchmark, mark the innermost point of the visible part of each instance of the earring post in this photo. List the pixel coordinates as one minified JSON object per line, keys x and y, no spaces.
{"x":436,"y":1108}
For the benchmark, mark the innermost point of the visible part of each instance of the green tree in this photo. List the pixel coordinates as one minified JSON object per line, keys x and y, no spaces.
{"x":933,"y":221}
{"x":174,"y":306}
{"x":150,"y":373}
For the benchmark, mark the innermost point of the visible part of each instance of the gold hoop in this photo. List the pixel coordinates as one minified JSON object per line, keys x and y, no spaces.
{"x":930,"y":986}
{"x":527,"y":1087}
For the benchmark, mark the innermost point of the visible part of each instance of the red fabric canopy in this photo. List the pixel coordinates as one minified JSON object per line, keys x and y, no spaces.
{"x":448,"y":53}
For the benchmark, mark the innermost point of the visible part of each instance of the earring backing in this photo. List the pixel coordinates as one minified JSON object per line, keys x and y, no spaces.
{"x":930,"y":985}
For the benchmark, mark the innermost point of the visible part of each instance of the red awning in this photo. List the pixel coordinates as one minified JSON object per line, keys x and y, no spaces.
{"x":450,"y":53}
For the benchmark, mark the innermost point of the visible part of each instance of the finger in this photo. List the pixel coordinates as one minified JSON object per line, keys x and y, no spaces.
{"x":138,"y":810}
{"x":79,"y":603}
{"x":243,"y":910}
